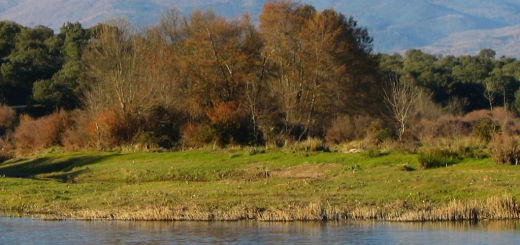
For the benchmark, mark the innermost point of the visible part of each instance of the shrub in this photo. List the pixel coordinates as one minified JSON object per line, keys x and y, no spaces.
{"x":310,"y":144}
{"x":435,"y":158}
{"x":372,"y":153}
{"x":507,"y":120}
{"x":348,"y":128}
{"x":385,"y":134}
{"x":225,"y":114}
{"x":101,"y":128}
{"x":255,"y":151}
{"x":128,"y":129}
{"x":485,"y":128}
{"x":502,"y":116}
{"x":505,"y":149}
{"x":8,"y":119}
{"x":426,"y":107}
{"x":279,"y":140}
{"x":76,"y":136}
{"x":197,"y":135}
{"x":456,"y":105}
{"x":6,"y":148}
{"x":36,"y":134}
{"x":471,"y":152}
{"x":486,"y":123}
{"x":108,"y":129}
{"x":162,"y":128}
{"x":447,"y":126}
{"x":474,"y":116}
{"x":408,"y":168}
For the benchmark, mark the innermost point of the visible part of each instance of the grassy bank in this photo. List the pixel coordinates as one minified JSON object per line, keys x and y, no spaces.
{"x":236,"y":185}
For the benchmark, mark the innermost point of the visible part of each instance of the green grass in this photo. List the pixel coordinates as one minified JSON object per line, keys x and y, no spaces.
{"x":212,"y":180}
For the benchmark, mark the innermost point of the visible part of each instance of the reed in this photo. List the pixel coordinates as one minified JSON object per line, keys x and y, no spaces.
{"x":493,"y":208}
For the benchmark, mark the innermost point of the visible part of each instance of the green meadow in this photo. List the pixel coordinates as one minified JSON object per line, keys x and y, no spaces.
{"x":239,"y":184}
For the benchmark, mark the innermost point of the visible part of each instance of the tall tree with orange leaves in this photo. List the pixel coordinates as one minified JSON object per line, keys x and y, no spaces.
{"x":321,"y":64}
{"x":221,"y":66}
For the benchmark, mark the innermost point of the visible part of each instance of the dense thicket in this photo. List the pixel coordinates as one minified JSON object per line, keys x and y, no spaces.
{"x":203,"y":79}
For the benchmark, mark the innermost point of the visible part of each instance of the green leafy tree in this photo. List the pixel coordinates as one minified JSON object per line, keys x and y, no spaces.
{"x":34,"y":57}
{"x":63,"y":89}
{"x":487,"y":54}
{"x":8,"y":32}
{"x":499,"y":85}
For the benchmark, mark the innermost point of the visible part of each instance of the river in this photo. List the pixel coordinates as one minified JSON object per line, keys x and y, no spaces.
{"x":29,"y":231}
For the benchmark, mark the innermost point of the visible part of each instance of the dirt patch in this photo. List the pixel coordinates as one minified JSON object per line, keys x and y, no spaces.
{"x":254,"y":171}
{"x":305,"y":171}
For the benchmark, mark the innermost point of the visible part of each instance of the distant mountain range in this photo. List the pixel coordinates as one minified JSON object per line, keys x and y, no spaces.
{"x":438,"y":26}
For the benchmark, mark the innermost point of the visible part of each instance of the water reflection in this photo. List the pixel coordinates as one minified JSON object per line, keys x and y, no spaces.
{"x":27,"y":231}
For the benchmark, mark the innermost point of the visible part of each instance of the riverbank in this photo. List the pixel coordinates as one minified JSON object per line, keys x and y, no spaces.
{"x":241,"y":185}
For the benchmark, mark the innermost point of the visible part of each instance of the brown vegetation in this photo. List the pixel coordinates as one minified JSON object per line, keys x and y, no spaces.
{"x":8,"y":119}
{"x":495,"y":208}
{"x":505,"y":149}
{"x":35,"y":134}
{"x":347,"y":128}
{"x":6,"y":149}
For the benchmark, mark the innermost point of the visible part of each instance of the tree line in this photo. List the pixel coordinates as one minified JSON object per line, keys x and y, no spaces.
{"x":461,"y":84}
{"x":229,"y":79}
{"x":200,"y":79}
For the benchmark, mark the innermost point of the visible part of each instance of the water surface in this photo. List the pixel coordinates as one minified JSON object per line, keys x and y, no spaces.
{"x":28,"y":231}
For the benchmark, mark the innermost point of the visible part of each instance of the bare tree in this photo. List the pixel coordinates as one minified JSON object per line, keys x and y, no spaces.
{"x":490,"y":92}
{"x":121,"y":71}
{"x":119,"y":65}
{"x":401,"y":99}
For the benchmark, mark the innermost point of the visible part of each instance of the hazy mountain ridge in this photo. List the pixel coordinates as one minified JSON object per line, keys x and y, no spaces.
{"x":504,"y":41}
{"x":396,"y":25}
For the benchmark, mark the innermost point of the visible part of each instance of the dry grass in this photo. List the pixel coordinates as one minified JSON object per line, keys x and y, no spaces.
{"x":310,"y":144}
{"x":494,"y":208}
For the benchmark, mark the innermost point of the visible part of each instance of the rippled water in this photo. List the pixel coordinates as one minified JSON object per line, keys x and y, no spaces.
{"x":28,"y":231}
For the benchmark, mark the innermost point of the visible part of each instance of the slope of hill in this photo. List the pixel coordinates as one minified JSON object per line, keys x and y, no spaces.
{"x":53,"y":13}
{"x":507,"y":11}
{"x":402,"y":24}
{"x":396,"y":25}
{"x":504,"y":41}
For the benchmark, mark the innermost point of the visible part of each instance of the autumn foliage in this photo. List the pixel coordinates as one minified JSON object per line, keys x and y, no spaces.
{"x":35,"y":134}
{"x":227,"y":80}
{"x":299,"y":77}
